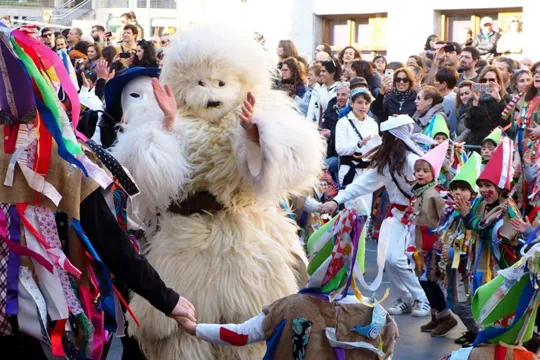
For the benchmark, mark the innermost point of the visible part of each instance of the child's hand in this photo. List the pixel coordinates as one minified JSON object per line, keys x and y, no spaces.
{"x":520,"y":225}
{"x":462,"y":206}
{"x":189,"y":326}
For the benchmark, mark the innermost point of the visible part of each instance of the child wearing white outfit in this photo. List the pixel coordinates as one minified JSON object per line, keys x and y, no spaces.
{"x":392,"y":166}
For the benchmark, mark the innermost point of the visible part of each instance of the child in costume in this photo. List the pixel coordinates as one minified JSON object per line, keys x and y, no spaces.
{"x":392,"y":167}
{"x":422,"y":215}
{"x":489,"y":144}
{"x":454,"y":243}
{"x":496,"y":245}
{"x":322,"y":321}
{"x":506,"y":308}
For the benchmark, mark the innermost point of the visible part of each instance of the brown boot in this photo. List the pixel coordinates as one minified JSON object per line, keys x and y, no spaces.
{"x":446,"y":324}
{"x":430,"y":326}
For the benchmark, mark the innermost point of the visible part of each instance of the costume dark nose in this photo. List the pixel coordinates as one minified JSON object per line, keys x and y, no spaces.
{"x":213,"y":104}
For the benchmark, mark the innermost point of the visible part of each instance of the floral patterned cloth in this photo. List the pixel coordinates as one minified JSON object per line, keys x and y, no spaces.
{"x":301,"y":329}
{"x":47,"y":224}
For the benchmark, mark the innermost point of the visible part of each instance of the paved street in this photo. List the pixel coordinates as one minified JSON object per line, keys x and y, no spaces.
{"x":411,"y":345}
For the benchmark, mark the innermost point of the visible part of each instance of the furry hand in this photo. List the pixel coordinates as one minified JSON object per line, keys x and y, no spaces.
{"x":183,"y":309}
{"x":189,"y":326}
{"x":246,"y":116}
{"x":167,"y":102}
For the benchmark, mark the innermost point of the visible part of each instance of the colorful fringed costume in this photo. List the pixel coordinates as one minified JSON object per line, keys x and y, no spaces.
{"x":58,"y":240}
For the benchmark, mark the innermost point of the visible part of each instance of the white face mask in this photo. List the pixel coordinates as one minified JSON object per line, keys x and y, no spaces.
{"x":138,"y":91}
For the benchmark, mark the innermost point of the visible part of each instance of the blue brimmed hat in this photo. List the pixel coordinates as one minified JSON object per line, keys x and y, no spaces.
{"x":114,"y":87}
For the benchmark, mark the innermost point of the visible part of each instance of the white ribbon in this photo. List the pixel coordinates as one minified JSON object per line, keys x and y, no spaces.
{"x":50,"y":284}
{"x":332,"y":338}
{"x":32,"y":307}
{"x":95,"y":172}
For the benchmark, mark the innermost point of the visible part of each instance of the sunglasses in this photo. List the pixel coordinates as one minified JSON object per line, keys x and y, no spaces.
{"x":486,"y":80}
{"x":46,"y":35}
{"x":403,"y":80}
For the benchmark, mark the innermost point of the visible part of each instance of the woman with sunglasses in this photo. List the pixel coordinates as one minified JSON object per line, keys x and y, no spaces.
{"x":329,"y":76}
{"x":145,"y":55}
{"x":397,"y":95}
{"x":484,"y":111}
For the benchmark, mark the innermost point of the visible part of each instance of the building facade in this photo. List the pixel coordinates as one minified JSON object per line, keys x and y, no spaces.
{"x":398,"y":28}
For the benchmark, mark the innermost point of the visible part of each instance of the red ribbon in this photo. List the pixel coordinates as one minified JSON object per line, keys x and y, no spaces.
{"x":10,"y":138}
{"x":56,"y":337}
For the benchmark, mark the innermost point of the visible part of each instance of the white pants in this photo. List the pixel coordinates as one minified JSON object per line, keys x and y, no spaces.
{"x":343,"y":170}
{"x":397,"y":267}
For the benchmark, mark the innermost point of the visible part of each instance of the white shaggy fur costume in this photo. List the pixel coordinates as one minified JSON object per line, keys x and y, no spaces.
{"x":231,"y":263}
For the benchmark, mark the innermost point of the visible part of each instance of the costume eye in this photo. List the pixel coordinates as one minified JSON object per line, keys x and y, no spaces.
{"x":201,"y":83}
{"x":221,"y":83}
{"x":135,"y":95}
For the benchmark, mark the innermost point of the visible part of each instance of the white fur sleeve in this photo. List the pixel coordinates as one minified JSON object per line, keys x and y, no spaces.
{"x":289,"y":157}
{"x":154,"y":157}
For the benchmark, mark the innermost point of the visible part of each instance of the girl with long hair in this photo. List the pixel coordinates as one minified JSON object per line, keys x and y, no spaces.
{"x":392,"y":166}
{"x":145,"y":55}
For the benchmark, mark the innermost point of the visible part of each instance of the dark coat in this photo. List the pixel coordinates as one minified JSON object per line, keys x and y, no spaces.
{"x":482,"y":119}
{"x":330,"y":119}
{"x":388,"y":105}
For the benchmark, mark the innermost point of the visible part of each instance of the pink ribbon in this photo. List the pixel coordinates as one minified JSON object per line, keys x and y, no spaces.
{"x":50,"y":57}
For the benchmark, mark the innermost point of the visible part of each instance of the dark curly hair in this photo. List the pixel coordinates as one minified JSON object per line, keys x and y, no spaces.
{"x":149,"y":58}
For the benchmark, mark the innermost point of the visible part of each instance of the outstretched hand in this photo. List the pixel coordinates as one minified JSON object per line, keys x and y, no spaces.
{"x":246,"y":117}
{"x":329,"y":207}
{"x":166,"y":101}
{"x":184,"y":309}
{"x":189,"y":326}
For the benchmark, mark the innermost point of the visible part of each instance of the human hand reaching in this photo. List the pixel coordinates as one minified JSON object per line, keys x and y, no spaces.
{"x":246,"y":117}
{"x":166,"y":101}
{"x":329,"y":207}
{"x":520,"y":225}
{"x":189,"y":326}
{"x":183,"y":309}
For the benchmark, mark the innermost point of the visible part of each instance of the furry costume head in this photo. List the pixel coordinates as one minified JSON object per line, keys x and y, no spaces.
{"x":210,"y":70}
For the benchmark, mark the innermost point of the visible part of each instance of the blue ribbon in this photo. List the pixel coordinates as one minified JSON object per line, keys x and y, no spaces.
{"x":103,"y":276}
{"x":272,"y":343}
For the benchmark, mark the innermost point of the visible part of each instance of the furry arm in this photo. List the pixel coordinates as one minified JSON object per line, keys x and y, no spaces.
{"x":232,"y":334}
{"x":289,"y":155}
{"x":154,"y":157}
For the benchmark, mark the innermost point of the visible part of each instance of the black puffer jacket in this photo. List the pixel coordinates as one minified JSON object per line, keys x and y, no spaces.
{"x":482,"y":119}
{"x":330,"y":119}
{"x":389,"y":104}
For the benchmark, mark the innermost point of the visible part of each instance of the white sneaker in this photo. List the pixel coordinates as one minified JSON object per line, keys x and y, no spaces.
{"x":421,"y":308}
{"x":401,"y":306}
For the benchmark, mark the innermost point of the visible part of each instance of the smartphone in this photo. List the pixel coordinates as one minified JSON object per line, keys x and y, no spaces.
{"x":108,"y":34}
{"x":482,"y":88}
{"x":125,"y":55}
{"x":389,"y":72}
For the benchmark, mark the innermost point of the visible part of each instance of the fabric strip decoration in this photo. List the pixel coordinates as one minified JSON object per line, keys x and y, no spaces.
{"x":12,"y":307}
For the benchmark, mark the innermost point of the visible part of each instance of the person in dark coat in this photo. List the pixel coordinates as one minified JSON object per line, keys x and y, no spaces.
{"x":330,"y":119}
{"x":484,"y":111}
{"x":397,"y":95}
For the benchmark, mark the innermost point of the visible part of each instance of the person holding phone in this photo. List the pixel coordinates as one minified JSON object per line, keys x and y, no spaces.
{"x":127,"y":46}
{"x":489,"y":99}
{"x":397,"y":95}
